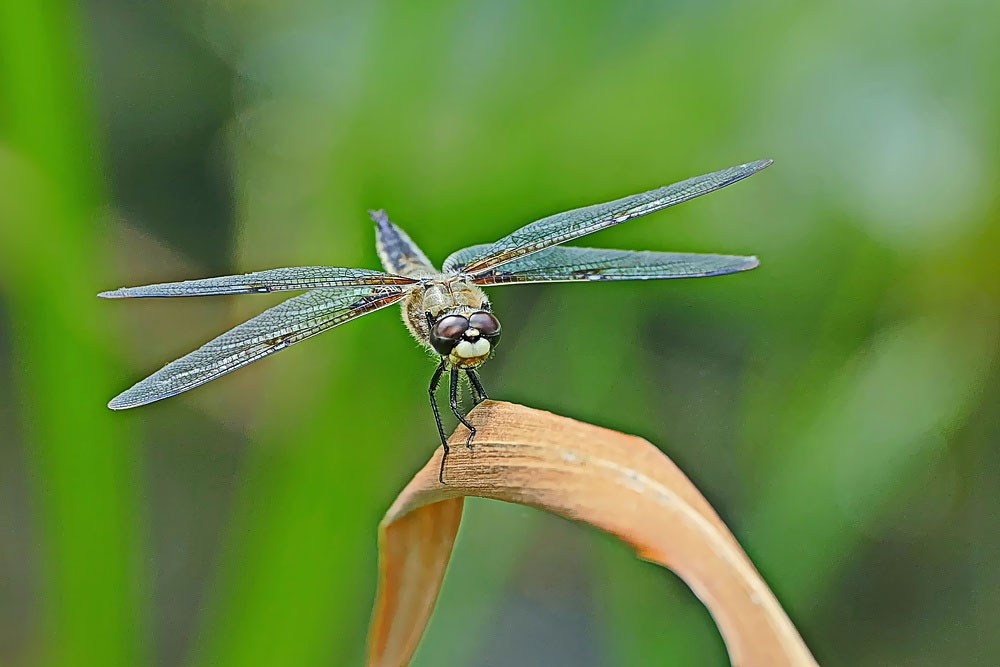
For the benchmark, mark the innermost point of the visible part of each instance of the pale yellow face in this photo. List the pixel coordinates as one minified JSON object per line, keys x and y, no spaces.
{"x":468,"y":354}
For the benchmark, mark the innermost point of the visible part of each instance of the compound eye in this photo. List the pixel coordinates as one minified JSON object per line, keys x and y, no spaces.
{"x":447,"y":332}
{"x":487,"y":324}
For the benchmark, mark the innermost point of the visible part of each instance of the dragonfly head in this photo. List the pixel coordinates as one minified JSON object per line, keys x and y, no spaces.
{"x":467,"y":339}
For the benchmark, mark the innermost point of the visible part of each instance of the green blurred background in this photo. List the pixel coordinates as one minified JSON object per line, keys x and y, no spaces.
{"x":837,"y":405}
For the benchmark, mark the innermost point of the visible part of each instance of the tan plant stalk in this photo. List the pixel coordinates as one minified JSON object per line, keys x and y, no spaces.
{"x":619,"y":483}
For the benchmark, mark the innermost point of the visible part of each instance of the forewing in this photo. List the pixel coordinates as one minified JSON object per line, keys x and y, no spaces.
{"x":570,"y":225}
{"x":457,"y":260}
{"x":562,"y":264}
{"x":272,"y":280}
{"x":273,"y":330}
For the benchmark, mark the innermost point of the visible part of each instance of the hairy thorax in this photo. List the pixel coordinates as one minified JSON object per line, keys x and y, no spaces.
{"x":440,"y":296}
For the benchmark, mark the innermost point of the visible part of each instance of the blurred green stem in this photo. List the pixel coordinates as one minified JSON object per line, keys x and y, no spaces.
{"x":50,"y":262}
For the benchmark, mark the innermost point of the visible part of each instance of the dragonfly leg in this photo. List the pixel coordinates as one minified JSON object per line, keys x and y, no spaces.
{"x":435,"y":380}
{"x":455,"y":408}
{"x":477,"y":385}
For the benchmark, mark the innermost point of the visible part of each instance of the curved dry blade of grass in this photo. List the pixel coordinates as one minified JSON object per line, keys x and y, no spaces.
{"x":619,"y":483}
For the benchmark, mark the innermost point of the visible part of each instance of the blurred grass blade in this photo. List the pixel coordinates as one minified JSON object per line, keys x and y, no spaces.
{"x":618,"y":483}
{"x":82,"y":472}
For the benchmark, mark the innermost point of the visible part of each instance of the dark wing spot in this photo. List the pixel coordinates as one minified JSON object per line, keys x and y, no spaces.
{"x":363,"y":302}
{"x":278,"y":343}
{"x":371,"y":300}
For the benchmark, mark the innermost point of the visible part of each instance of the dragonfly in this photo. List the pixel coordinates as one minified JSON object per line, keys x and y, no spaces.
{"x":446,"y":310}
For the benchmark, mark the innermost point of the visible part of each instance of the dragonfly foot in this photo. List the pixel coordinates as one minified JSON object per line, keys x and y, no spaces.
{"x":444,"y":457}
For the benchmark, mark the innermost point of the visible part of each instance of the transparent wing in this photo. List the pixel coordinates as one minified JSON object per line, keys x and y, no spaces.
{"x":272,"y":280}
{"x":457,"y":260}
{"x":562,"y":264}
{"x":273,"y":330}
{"x":569,"y":225}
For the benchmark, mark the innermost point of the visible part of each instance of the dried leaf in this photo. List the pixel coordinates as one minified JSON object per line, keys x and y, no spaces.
{"x":619,"y":483}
